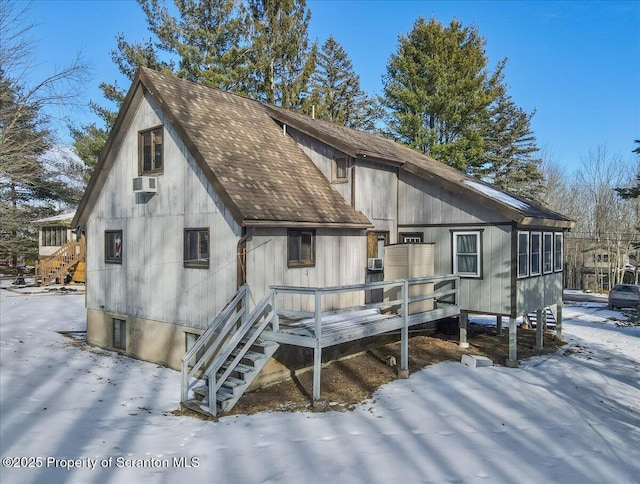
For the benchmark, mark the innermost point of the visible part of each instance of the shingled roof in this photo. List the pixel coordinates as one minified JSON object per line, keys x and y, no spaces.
{"x":360,"y":144}
{"x":262,"y":174}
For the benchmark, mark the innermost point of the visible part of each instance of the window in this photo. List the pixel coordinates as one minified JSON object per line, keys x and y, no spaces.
{"x":466,"y":254}
{"x":196,"y":248}
{"x":547,"y":252}
{"x":151,"y":151}
{"x":113,"y":246}
{"x":536,"y":260}
{"x":339,"y":169}
{"x":54,"y":236}
{"x":119,"y":334}
{"x":523,"y":254}
{"x":557,"y":252}
{"x":301,"y":248}
{"x":411,"y":237}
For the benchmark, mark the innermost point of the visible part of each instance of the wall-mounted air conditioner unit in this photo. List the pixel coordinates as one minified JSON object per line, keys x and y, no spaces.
{"x":145,"y":184}
{"x":375,"y":264}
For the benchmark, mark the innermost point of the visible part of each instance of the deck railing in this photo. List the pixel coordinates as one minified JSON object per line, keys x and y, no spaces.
{"x":444,"y":290}
{"x":56,"y":265}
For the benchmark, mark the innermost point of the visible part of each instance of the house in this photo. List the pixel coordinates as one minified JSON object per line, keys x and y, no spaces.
{"x":601,"y":262}
{"x":60,"y":252}
{"x":200,"y":192}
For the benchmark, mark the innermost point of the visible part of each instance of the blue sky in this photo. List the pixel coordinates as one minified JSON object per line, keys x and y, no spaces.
{"x":576,"y":63}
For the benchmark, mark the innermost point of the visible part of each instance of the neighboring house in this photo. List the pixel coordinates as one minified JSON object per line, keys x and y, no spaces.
{"x":598,"y":264}
{"x":60,"y":253}
{"x":228,"y":191}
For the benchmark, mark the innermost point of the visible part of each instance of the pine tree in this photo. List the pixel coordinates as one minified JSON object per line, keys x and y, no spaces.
{"x":31,"y":186}
{"x":280,"y":60}
{"x":25,"y":187}
{"x":438,"y":91}
{"x":511,"y":157}
{"x":628,"y":193}
{"x":335,"y":91}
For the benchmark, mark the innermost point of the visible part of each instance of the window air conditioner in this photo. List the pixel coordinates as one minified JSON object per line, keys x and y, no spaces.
{"x":375,"y":264}
{"x":145,"y":184}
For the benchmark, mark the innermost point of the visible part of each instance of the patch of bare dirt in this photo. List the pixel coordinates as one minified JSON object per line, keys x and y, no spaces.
{"x":351,"y":380}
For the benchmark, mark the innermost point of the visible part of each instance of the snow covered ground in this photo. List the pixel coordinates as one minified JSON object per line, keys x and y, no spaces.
{"x":78,"y":414}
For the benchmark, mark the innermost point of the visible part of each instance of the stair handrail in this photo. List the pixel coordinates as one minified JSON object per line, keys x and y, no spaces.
{"x":61,"y":260}
{"x":231,"y":343}
{"x":228,"y":316}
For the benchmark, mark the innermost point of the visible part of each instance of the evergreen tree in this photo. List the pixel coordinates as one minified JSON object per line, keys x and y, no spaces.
{"x":628,"y":193}
{"x":438,"y":91}
{"x":335,"y":91}
{"x":25,"y":187}
{"x":281,"y":61}
{"x":511,"y":158}
{"x":31,"y":186}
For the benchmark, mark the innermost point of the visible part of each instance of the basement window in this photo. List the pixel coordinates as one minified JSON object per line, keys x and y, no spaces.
{"x":151,"y":151}
{"x":301,"y":248}
{"x":196,"y":248}
{"x":119,"y":334}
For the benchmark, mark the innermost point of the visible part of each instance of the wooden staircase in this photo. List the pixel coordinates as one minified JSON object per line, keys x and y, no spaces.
{"x":228,"y":356}
{"x":64,"y":260}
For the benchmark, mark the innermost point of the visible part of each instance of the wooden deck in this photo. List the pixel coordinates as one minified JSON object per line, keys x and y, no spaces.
{"x":350,"y":325}
{"x":235,"y":333}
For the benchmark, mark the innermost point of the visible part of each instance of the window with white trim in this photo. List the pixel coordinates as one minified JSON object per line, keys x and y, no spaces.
{"x":411,"y":237}
{"x":557,"y":252}
{"x":466,"y":253}
{"x":547,"y":252}
{"x":523,"y":254}
{"x":536,"y":259}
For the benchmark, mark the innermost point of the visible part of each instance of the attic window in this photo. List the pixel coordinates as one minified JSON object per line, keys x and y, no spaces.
{"x":339,"y":169}
{"x":151,"y":151}
{"x":301,"y":246}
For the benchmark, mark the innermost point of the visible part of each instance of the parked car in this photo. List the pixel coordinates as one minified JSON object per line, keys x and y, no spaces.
{"x":624,"y":296}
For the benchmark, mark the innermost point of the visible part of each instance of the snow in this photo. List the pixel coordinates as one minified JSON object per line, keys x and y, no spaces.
{"x":497,"y":195}
{"x":573,"y":416}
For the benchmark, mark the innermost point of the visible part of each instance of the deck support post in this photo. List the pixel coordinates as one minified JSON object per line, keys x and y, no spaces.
{"x":499,"y":325}
{"x":540,"y":313}
{"x":317,"y":351}
{"x":463,"y":323}
{"x":513,"y":343}
{"x":559,"y":319}
{"x":403,"y":372}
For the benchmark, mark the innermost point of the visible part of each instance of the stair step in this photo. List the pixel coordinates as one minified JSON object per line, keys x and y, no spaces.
{"x":251,"y":356}
{"x":262,"y":346}
{"x":242,"y":370}
{"x":197,"y":407}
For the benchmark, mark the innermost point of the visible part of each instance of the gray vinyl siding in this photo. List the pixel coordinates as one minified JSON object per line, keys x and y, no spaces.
{"x":151,"y":282}
{"x":491,"y":293}
{"x":538,"y":292}
{"x":340,"y":260}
